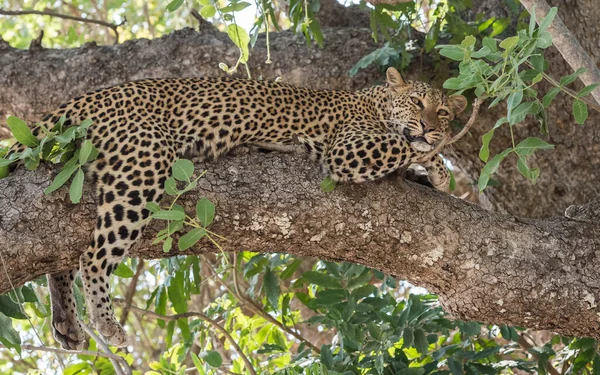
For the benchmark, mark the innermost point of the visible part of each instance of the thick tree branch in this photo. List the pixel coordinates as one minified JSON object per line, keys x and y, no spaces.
{"x":485,"y":266}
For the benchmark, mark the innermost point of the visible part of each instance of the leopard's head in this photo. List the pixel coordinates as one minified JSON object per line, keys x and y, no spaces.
{"x":421,"y":112}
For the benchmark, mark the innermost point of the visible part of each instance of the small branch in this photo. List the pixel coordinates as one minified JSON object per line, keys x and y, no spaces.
{"x":203,"y":317}
{"x":33,"y":348}
{"x":111,"y":26}
{"x":248,"y":302}
{"x":131,"y":291}
{"x":117,"y":361}
{"x":525,"y":345}
{"x":567,"y":44}
{"x":446,"y":141}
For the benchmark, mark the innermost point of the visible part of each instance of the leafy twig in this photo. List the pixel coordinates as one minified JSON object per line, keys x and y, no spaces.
{"x":567,"y":44}
{"x":201,"y":316}
{"x":74,"y":352}
{"x":252,"y":305}
{"x":525,"y":345}
{"x":116,"y":361}
{"x":111,"y":26}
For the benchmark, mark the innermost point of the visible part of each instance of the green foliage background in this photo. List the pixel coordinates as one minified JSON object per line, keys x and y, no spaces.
{"x":277,"y":314}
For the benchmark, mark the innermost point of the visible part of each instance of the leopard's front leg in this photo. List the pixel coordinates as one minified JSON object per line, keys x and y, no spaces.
{"x":437,"y":172}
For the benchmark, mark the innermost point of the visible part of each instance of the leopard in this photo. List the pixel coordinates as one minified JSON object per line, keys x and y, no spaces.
{"x":141,"y":127}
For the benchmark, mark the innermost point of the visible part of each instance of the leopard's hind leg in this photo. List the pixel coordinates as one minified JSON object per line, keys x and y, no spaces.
{"x":126,"y":183}
{"x":66,"y":328}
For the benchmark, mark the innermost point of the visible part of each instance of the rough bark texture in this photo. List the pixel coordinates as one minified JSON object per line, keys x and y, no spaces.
{"x":485,"y":266}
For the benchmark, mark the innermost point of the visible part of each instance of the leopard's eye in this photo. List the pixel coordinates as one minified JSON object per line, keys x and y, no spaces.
{"x":443,"y":112}
{"x":416,"y":101}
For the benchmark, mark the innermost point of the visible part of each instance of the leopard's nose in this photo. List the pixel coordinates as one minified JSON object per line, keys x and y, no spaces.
{"x":426,"y":126}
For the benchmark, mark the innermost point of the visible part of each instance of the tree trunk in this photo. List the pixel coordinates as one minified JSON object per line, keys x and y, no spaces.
{"x":485,"y":266}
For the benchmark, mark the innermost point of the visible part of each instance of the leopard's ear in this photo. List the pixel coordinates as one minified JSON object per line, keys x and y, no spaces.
{"x":457,"y":103}
{"x":395,"y":80}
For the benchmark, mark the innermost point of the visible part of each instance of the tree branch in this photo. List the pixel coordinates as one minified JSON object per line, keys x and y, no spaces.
{"x":567,"y":44}
{"x":203,"y":317}
{"x":113,"y":26}
{"x":484,"y":266}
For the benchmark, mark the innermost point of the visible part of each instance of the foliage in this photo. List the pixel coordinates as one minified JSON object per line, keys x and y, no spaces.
{"x":495,"y":71}
{"x":175,"y":216}
{"x":58,"y":144}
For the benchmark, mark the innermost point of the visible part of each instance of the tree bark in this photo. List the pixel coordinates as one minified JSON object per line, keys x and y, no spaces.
{"x":485,"y":266}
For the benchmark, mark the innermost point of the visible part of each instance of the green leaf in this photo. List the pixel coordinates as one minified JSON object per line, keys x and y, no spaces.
{"x":510,"y":42}
{"x":532,"y":174}
{"x":8,"y":336}
{"x":182,"y":169}
{"x":549,"y":97}
{"x":212,"y":358}
{"x":29,"y":294}
{"x":548,"y":19}
{"x":538,"y":62}
{"x":518,"y":114}
{"x":580,"y":111}
{"x":152,"y":207}
{"x":176,"y":291}
{"x":572,"y":77}
{"x":381,"y":56}
{"x":10,"y":309}
{"x":272,"y":288}
{"x":21,"y":131}
{"x":468,"y":41}
{"x":455,"y":366}
{"x":490,"y":43}
{"x":171,"y":186}
{"x":205,"y":211}
{"x":208,"y":11}
{"x":67,"y":136}
{"x":408,"y":337}
{"x":174,"y":5}
{"x":290,"y":269}
{"x":544,"y":40}
{"x":327,"y":356}
{"x":235,"y":7}
{"x":85,"y":152}
{"x":529,"y":145}
{"x":490,"y":168}
{"x":123,"y":271}
{"x":190,"y":238}
{"x":5,"y":162}
{"x":321,"y":279}
{"x":61,"y":178}
{"x":514,"y":99}
{"x":484,"y":153}
{"x":168,"y":244}
{"x":452,"y":52}
{"x":169,"y":215}
{"x":453,"y":83}
{"x":240,"y":38}
{"x":76,"y":189}
{"x":588,"y":89}
{"x":421,"y":343}
{"x":328,"y":184}
{"x":197,"y":363}
{"x":85,"y":124}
